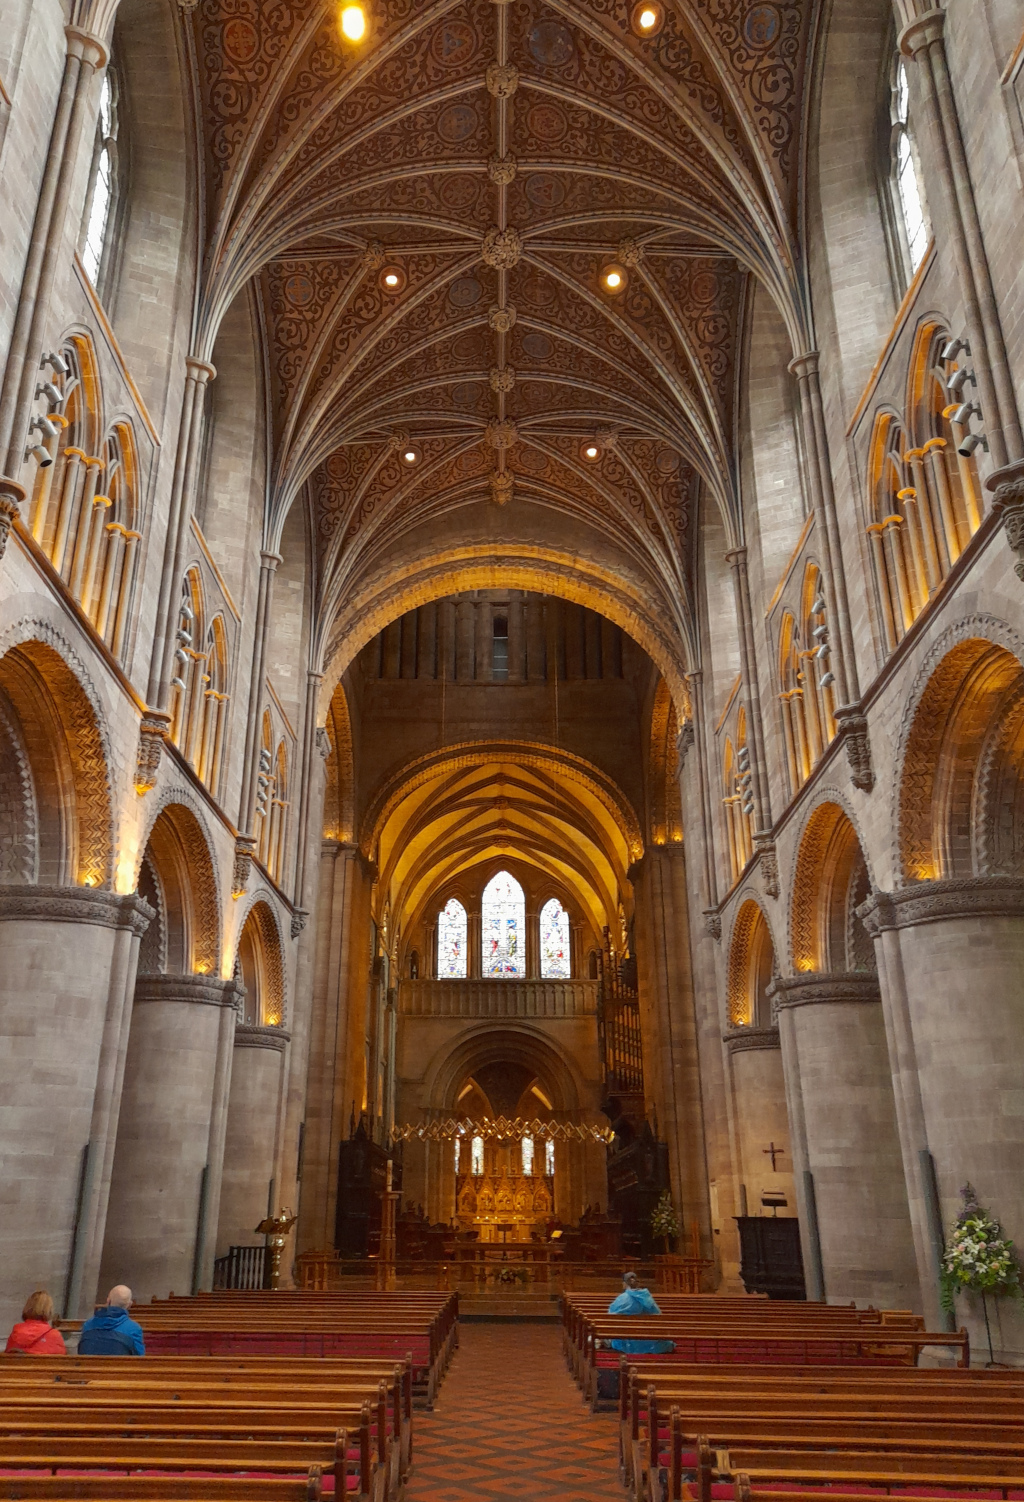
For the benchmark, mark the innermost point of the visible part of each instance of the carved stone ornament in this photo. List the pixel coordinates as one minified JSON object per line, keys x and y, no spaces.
{"x":502,"y":80}
{"x":502,"y":320}
{"x":11,"y":496}
{"x":502,"y":170}
{"x":323,"y":741}
{"x":501,"y":248}
{"x":1007,"y":487}
{"x":245,"y":851}
{"x":248,"y":1036}
{"x":823,"y":989}
{"x":501,"y":434}
{"x":853,"y":729}
{"x":685,"y":742}
{"x":631,"y":253}
{"x":77,"y":905}
{"x":939,"y":901}
{"x":751,"y":1039}
{"x":713,"y":924}
{"x":153,"y":731}
{"x":502,"y":378}
{"x":188,"y":5}
{"x":766,"y":852}
{"x":502,"y":485}
{"x":398,"y":441}
{"x":195,"y":990}
{"x":374,"y":256}
{"x":299,"y":920}
{"x":607,"y":438}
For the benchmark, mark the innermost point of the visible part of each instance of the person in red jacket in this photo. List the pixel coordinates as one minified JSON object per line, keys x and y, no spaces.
{"x":36,"y":1335}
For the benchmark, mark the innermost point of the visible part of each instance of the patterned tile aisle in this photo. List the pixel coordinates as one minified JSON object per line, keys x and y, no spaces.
{"x":510,"y":1424}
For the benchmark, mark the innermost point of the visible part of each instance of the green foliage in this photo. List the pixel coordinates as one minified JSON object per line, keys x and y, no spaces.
{"x":664,"y":1221}
{"x":978,"y":1257}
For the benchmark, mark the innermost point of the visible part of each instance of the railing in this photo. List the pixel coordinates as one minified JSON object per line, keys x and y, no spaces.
{"x":484,"y":1266}
{"x":243,"y":1267}
{"x":498,"y":998}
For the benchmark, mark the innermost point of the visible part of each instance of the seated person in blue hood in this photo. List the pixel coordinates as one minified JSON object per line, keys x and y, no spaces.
{"x":634,"y":1300}
{"x":110,"y":1332}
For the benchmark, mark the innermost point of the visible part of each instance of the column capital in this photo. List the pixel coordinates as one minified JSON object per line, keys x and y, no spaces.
{"x":199,"y":371}
{"x":737,"y":557}
{"x":941,"y":901}
{"x":76,"y":905}
{"x":249,"y":1036}
{"x":921,"y":32}
{"x":270,"y":561}
{"x":1007,"y":488}
{"x":751,"y":1039}
{"x":189,"y":989}
{"x":805,"y":364}
{"x":11,"y":496}
{"x":84,"y":45}
{"x":823,"y":989}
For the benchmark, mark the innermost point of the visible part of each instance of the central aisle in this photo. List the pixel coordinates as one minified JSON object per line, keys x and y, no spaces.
{"x":510,"y":1423}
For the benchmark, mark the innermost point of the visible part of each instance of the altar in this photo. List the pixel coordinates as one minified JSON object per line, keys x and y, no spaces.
{"x":504,"y":1208}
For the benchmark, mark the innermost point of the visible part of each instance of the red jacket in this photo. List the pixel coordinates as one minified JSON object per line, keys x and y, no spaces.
{"x":34,"y":1337}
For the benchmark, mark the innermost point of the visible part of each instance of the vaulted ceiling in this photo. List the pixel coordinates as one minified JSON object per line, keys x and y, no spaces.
{"x":493,"y":158}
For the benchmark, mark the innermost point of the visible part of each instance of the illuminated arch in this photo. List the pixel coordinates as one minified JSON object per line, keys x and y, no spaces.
{"x":830,"y":882}
{"x":752,"y":965}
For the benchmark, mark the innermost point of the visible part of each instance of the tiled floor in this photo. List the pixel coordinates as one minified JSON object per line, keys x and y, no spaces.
{"x":510,"y":1424}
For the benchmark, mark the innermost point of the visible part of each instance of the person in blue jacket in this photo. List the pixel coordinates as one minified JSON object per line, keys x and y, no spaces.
{"x":634,"y":1300}
{"x":111,"y":1332}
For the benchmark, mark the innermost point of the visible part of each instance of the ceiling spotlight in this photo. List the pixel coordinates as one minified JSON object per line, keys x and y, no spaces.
{"x":392,"y":279}
{"x":591,"y":452}
{"x":410,"y":454}
{"x":647,"y":18}
{"x":353,"y":23}
{"x":614,"y":278}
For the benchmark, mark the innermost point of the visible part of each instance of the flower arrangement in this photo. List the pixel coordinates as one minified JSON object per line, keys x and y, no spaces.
{"x":664,"y":1221}
{"x":979,"y":1259}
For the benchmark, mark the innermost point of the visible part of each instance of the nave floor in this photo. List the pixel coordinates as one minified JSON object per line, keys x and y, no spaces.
{"x":509,"y":1424}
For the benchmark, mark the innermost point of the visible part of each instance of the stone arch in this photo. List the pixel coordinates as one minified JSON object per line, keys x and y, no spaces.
{"x":830,"y":881}
{"x":339,"y":793}
{"x":178,"y":860}
{"x":666,"y":811}
{"x":486,"y":1045}
{"x":57,"y":784}
{"x":960,"y":770}
{"x":259,"y":955}
{"x":752,"y":966}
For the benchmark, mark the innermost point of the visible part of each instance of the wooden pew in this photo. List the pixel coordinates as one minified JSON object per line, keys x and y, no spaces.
{"x":162,"y":1488}
{"x":823,"y":1470}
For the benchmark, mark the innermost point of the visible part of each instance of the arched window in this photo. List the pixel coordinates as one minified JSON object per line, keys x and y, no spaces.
{"x":527,"y":1147}
{"x":554,"y":942}
{"x":549,"y":1158}
{"x":477,"y":1155}
{"x":905,"y":191}
{"x":806,"y":694}
{"x":503,"y":927}
{"x":458,"y":1152}
{"x":738,"y":800}
{"x":451,"y":941}
{"x":101,"y":200}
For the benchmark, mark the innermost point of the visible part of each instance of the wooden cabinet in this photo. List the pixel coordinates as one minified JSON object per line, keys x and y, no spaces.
{"x":771,"y":1260}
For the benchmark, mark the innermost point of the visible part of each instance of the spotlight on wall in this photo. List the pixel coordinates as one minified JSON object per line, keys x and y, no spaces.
{"x":827,"y":681}
{"x":614,"y":278}
{"x":353,"y":23}
{"x":40,"y":424}
{"x":955,"y":348}
{"x":965,"y":412}
{"x":959,"y":379}
{"x":42,"y":456}
{"x":972,"y":442}
{"x":818,"y":607}
{"x":56,"y":362}
{"x":49,"y":390}
{"x":392,"y":279}
{"x":647,"y":18}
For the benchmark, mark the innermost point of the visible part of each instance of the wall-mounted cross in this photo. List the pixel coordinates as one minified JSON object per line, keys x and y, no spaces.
{"x":774,"y":1152}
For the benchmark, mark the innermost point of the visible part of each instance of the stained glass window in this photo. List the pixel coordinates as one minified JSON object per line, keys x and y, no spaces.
{"x":503,"y":925}
{"x":527,"y":1146}
{"x":458,"y":1145}
{"x":451,"y":941}
{"x":549,"y":1158}
{"x":477,"y":1146}
{"x":554,"y":941}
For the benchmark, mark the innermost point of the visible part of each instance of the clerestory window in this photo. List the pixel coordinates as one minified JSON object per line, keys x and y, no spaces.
{"x":101,"y":200}
{"x":905,"y":188}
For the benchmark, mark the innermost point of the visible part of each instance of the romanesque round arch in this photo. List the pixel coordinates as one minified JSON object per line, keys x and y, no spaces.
{"x":830,"y":880}
{"x":261,"y":948}
{"x":752,"y":963}
{"x":959,"y":787}
{"x":178,"y":867}
{"x":484,"y":1045}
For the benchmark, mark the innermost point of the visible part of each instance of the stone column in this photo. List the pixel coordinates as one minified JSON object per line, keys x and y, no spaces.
{"x":165,"y":1192}
{"x":843,"y":1118}
{"x":672,"y":1066}
{"x":252,"y":1130}
{"x":951,"y":963}
{"x":68,"y":957}
{"x":760,"y":1123}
